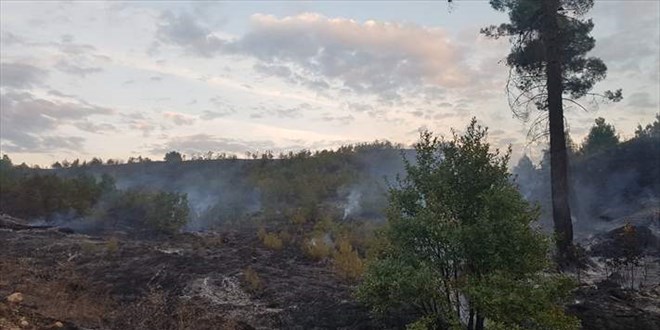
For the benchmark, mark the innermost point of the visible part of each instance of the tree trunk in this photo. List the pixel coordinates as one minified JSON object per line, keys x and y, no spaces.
{"x":561,"y":212}
{"x":470,"y":325}
{"x":480,"y":322}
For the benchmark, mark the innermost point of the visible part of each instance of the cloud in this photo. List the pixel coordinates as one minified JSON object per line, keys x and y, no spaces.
{"x":625,"y":49}
{"x":641,"y":100}
{"x":28,"y":112}
{"x":200,"y":143}
{"x":68,"y":47}
{"x":91,"y":127}
{"x":137,"y":120}
{"x":380,"y":58}
{"x":179,"y":119}
{"x":7,"y":39}
{"x":287,"y":112}
{"x":282,"y":112}
{"x":182,"y":29}
{"x":210,"y":115}
{"x":75,"y":69}
{"x":21,"y":76}
{"x":30,"y":143}
{"x":345,"y":120}
{"x":359,"y":107}
{"x":57,"y":93}
{"x":29,"y":123}
{"x":373,"y":57}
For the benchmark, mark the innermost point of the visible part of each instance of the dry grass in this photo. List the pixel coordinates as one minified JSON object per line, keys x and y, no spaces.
{"x":57,"y":292}
{"x":261,"y":233}
{"x":273,"y":242}
{"x":316,"y":248}
{"x":347,"y":261}
{"x":61,"y":294}
{"x":298,"y":217}
{"x":112,"y":246}
{"x":253,"y":280}
{"x":157,"y":310}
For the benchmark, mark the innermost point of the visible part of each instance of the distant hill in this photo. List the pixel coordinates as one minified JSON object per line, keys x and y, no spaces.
{"x":349,"y":182}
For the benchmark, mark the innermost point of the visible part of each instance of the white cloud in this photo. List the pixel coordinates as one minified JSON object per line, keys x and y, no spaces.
{"x":179,"y":119}
{"x":21,"y":75}
{"x":381,"y":58}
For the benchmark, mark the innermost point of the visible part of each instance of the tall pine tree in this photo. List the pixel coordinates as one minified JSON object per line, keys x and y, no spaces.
{"x":550,"y":40}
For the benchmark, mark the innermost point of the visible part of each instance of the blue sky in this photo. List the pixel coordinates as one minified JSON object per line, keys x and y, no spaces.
{"x":111,"y":79}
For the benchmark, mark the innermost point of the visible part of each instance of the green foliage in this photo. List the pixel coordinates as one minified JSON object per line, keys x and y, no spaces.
{"x":528,"y":57}
{"x":165,"y":212}
{"x":531,"y":38}
{"x":602,"y":136}
{"x":534,"y":302}
{"x":457,"y":228}
{"x":28,"y":194}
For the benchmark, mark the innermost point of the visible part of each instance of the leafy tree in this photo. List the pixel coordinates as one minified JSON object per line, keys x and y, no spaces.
{"x":458,"y":250}
{"x":173,"y":157}
{"x":550,"y":40}
{"x":650,"y":131}
{"x":167,"y":211}
{"x":7,"y":180}
{"x":5,"y":162}
{"x":95,"y":162}
{"x":601,"y":136}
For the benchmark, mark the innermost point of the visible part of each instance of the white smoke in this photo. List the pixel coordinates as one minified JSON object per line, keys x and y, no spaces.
{"x":352,"y":203}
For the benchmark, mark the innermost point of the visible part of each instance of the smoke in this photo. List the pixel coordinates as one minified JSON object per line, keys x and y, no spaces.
{"x":607,"y":189}
{"x":70,"y":220}
{"x":352,"y":203}
{"x":225,"y":192}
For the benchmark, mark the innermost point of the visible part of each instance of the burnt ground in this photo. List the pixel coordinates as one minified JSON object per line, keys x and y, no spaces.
{"x":196,"y":280}
{"x":208,"y":281}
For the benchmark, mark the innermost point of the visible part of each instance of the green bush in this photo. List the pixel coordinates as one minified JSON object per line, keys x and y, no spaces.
{"x":158,"y":211}
{"x":458,"y":245}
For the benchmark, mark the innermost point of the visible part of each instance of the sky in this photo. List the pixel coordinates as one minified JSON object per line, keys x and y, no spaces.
{"x":83,"y":79}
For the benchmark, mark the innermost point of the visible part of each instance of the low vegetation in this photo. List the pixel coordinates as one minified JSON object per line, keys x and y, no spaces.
{"x":254,"y":282}
{"x":347,"y":262}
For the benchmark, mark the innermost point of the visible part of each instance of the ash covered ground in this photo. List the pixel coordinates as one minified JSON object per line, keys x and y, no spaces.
{"x":55,"y":278}
{"x":191,"y":281}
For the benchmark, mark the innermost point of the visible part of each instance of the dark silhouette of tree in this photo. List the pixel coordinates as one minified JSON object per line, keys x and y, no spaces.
{"x":650,"y":130}
{"x":601,"y":136}
{"x":173,"y":156}
{"x":95,"y":162}
{"x":549,"y":66}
